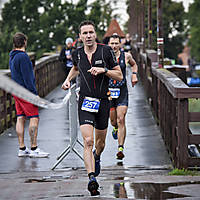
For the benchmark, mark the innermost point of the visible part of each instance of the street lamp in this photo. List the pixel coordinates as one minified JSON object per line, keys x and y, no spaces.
{"x":160,"y":39}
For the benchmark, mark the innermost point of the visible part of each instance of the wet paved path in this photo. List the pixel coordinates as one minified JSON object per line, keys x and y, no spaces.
{"x":143,"y":147}
{"x":146,"y":158}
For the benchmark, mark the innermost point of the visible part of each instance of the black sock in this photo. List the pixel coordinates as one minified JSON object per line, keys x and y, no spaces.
{"x":90,"y":175}
{"x":96,"y":157}
{"x":121,"y":146}
{"x":33,"y":148}
{"x":22,"y":148}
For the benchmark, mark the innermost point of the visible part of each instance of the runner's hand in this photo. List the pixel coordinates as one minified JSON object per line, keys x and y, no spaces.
{"x":96,"y":70}
{"x":66,"y":85}
{"x":134,"y":79}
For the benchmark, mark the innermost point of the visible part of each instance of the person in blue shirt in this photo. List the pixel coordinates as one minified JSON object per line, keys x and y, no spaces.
{"x":22,"y":72}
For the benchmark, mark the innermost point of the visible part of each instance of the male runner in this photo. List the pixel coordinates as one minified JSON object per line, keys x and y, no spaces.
{"x":119,"y":94}
{"x":95,"y":63}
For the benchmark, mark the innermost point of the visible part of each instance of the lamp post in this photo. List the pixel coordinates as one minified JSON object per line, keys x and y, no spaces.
{"x":143,"y":25}
{"x":149,"y":24}
{"x":139,"y":20}
{"x":160,"y":39}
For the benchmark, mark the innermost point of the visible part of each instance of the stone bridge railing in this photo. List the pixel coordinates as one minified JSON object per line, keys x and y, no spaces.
{"x":49,"y":73}
{"x":169,"y":98}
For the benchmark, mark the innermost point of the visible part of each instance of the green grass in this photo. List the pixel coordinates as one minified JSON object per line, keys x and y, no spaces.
{"x":184,"y":172}
{"x":194,"y":105}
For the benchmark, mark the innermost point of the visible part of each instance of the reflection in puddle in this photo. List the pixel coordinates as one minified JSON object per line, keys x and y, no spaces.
{"x":120,"y":190}
{"x":155,"y":190}
{"x":34,"y":180}
{"x":147,"y":190}
{"x":120,"y":163}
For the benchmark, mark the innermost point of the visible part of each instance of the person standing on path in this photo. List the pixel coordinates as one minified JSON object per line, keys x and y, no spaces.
{"x":95,"y":63}
{"x":22,"y":73}
{"x":127,"y":44}
{"x":119,"y":94}
{"x":66,"y":56}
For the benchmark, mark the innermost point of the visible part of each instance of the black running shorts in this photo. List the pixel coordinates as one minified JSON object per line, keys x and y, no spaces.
{"x":98,"y":120}
{"x":122,"y":100}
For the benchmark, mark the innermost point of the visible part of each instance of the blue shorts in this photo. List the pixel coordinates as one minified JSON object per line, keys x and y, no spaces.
{"x":122,"y":100}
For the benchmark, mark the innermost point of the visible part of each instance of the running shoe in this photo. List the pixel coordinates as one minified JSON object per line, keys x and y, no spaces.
{"x":97,"y":164}
{"x":120,"y":154}
{"x":114,"y":133}
{"x":23,"y":153}
{"x":38,"y":153}
{"x":93,"y":186}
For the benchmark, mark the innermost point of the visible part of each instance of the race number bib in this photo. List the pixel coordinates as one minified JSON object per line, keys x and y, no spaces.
{"x":90,"y":104}
{"x":114,"y":92}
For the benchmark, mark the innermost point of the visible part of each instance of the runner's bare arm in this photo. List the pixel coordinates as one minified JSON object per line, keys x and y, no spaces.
{"x":72,"y":74}
{"x":115,"y":73}
{"x":134,"y":68}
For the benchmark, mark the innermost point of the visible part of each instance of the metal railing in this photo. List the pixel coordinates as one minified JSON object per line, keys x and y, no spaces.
{"x":73,"y":127}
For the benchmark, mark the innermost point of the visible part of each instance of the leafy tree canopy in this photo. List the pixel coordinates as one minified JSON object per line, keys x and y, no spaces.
{"x":173,"y":17}
{"x":47,"y":23}
{"x":173,"y":27}
{"x":194,"y":23}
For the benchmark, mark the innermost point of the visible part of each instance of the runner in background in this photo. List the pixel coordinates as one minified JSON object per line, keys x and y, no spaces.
{"x":119,"y":93}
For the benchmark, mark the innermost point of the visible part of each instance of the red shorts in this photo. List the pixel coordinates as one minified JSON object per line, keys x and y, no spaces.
{"x":24,"y":108}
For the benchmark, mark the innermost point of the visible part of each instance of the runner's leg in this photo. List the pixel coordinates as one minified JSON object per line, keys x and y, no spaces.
{"x":121,"y":113}
{"x":113,"y":117}
{"x":88,"y":138}
{"x":100,"y":137}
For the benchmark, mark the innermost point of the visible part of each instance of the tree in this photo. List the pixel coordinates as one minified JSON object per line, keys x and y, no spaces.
{"x":48,"y":22}
{"x":194,"y":32}
{"x":100,"y":14}
{"x":173,"y":24}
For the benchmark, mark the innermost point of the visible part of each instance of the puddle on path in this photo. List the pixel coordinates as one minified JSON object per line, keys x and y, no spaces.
{"x":34,"y":180}
{"x":147,"y":190}
{"x":125,"y":189}
{"x":53,"y":178}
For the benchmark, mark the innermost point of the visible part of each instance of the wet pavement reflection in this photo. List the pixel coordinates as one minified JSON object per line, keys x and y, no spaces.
{"x":145,"y":156}
{"x":120,"y":190}
{"x":149,"y":191}
{"x":154,"y":191}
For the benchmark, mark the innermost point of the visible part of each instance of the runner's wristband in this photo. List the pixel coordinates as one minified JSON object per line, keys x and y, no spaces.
{"x":134,"y":72}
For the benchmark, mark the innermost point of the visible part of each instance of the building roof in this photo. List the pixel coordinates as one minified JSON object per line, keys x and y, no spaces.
{"x":114,"y":28}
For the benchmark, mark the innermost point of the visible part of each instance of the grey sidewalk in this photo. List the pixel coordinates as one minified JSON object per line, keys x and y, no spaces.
{"x":143,"y":173}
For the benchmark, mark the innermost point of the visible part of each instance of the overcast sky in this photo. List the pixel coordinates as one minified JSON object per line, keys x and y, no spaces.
{"x":121,"y":8}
